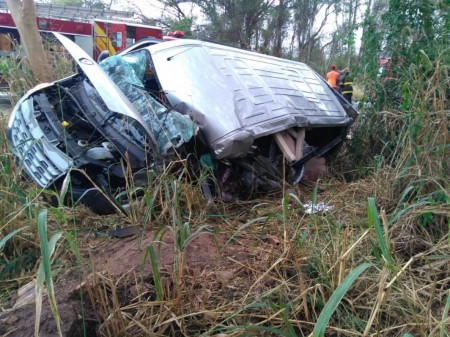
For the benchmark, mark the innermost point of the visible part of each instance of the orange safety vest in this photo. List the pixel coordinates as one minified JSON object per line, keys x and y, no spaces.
{"x":332,"y":78}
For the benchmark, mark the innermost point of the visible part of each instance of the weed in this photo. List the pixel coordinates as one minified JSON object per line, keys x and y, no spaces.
{"x":44,"y":274}
{"x":336,"y":297}
{"x":383,"y":242}
{"x":150,"y":253}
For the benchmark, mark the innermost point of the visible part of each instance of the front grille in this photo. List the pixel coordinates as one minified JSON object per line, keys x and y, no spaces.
{"x":40,"y":157}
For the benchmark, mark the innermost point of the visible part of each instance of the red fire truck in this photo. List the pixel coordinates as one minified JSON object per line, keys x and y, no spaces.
{"x":115,"y":36}
{"x":93,"y":35}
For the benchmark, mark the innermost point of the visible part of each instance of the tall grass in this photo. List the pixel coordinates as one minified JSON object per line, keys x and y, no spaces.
{"x":383,"y":240}
{"x":26,"y":253}
{"x":20,"y":203}
{"x":16,"y":213}
{"x":335,"y":299}
{"x":16,"y":72}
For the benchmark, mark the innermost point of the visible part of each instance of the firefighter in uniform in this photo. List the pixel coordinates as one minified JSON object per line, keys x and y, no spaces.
{"x":347,"y":87}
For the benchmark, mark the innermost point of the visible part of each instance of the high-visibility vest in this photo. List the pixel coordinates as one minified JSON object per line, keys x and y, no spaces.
{"x":347,"y":88}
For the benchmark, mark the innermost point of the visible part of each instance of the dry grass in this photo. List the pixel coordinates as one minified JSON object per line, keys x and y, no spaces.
{"x":273,"y":278}
{"x":276,"y":275}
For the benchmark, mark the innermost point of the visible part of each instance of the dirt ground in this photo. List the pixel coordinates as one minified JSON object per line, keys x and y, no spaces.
{"x":211,"y":270}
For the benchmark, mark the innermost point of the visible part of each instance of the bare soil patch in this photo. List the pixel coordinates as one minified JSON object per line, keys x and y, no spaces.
{"x":211,"y":272}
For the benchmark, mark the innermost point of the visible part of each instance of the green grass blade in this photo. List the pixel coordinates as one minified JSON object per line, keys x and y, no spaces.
{"x":150,"y":252}
{"x":38,"y":291}
{"x":45,"y":253}
{"x":231,"y":317}
{"x":9,"y":236}
{"x":47,"y":249}
{"x":374,"y":221}
{"x":204,"y":229}
{"x":400,"y":213}
{"x":290,"y":329}
{"x":64,"y":189}
{"x":71,"y":239}
{"x":335,"y":299}
{"x":53,"y":241}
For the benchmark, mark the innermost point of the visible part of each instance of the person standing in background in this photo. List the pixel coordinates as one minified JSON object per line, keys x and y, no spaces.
{"x":347,"y":86}
{"x":332,"y":78}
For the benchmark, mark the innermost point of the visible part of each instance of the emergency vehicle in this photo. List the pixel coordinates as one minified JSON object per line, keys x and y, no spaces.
{"x":91,"y":29}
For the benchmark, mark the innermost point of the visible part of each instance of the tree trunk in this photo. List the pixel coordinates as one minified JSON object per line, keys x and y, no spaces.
{"x":366,"y":15}
{"x":278,"y":43}
{"x":352,"y":26}
{"x":24,"y":16}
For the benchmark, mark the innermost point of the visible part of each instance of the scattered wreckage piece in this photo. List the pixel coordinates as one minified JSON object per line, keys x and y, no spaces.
{"x":312,"y":208}
{"x":243,"y":114}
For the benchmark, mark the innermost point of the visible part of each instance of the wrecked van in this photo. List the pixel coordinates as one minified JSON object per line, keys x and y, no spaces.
{"x":251,"y":120}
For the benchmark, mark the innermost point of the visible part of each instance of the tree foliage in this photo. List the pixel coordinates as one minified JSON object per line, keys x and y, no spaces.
{"x":410,"y":33}
{"x":296,"y":29}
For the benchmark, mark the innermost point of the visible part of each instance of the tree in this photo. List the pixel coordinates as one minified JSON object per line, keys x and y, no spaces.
{"x":24,"y":16}
{"x":306,"y":35}
{"x":173,"y":16}
{"x":350,"y":28}
{"x":234,"y":21}
{"x":277,"y":28}
{"x":413,"y":35}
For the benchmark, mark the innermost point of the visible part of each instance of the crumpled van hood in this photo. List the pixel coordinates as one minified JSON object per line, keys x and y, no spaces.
{"x":113,"y":97}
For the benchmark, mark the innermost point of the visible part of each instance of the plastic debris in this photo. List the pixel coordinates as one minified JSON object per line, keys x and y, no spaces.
{"x":310,"y":208}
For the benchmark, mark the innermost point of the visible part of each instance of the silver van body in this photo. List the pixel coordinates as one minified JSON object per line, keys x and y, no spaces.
{"x":236,"y":96}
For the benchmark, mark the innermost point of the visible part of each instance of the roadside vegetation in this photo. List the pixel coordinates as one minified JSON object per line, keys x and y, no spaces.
{"x":376,"y":264}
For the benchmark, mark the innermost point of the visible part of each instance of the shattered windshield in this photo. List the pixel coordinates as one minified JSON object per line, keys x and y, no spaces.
{"x":127,"y":126}
{"x":130,"y":73}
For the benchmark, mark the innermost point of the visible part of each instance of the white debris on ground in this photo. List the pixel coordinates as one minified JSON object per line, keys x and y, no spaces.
{"x":310,"y":208}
